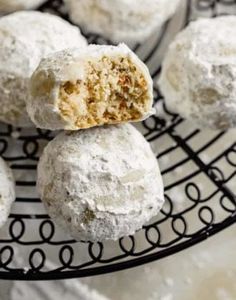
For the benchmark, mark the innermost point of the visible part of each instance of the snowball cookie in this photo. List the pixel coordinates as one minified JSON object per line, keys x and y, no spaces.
{"x":198,"y":79}
{"x":7,"y":191}
{"x":86,"y":87}
{"x":7,"y":6}
{"x":121,"y":20}
{"x":101,"y":183}
{"x":25,"y":38}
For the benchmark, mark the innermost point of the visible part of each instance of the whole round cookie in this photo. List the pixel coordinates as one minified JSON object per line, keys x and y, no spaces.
{"x":7,"y":191}
{"x":25,"y":38}
{"x":198,"y":78}
{"x":121,"y":20}
{"x":81,"y":88}
{"x":101,"y":183}
{"x":8,"y":6}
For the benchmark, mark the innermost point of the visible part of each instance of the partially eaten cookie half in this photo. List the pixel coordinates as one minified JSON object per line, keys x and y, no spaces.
{"x":81,"y":88}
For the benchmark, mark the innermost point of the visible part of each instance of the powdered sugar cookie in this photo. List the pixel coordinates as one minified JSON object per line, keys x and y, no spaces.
{"x":97,"y":85}
{"x":121,"y":20}
{"x":8,"y":6}
{"x":7,"y":191}
{"x":25,"y":38}
{"x":101,"y":183}
{"x":198,"y":79}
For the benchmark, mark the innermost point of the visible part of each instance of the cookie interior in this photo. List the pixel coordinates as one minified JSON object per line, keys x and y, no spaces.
{"x":114,"y":90}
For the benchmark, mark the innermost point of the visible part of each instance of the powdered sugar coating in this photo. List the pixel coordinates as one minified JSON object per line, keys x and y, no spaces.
{"x":101,"y":183}
{"x":7,"y":6}
{"x":70,"y":65}
{"x":7,"y":191}
{"x":25,"y":38}
{"x":121,"y":20}
{"x":198,"y":78}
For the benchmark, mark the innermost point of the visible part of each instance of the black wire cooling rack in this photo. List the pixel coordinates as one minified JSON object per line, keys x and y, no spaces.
{"x":198,"y":167}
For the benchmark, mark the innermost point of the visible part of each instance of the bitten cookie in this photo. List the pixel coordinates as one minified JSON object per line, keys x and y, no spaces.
{"x":25,"y":38}
{"x":8,"y":6}
{"x":101,"y":183}
{"x":198,"y":78}
{"x":97,"y":85}
{"x":7,"y":191}
{"x":121,"y":20}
